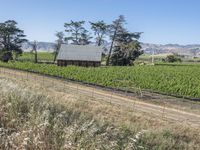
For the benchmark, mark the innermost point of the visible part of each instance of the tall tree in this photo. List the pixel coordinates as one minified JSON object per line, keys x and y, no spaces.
{"x":59,"y":42}
{"x":11,"y":39}
{"x":100,"y":29}
{"x":77,"y":33}
{"x":34,"y":50}
{"x":115,"y":29}
{"x":126,"y":49}
{"x":85,"y":38}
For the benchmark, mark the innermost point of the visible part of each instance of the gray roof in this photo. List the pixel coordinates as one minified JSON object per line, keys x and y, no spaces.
{"x":80,"y":52}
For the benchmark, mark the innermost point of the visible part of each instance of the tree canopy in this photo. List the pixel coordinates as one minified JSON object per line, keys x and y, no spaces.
{"x":77,"y":34}
{"x":114,"y":30}
{"x":100,"y":29}
{"x":126,"y":49}
{"x":59,"y":41}
{"x":11,"y":39}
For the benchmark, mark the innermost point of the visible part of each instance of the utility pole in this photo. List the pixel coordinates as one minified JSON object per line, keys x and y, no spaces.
{"x":152,"y":57}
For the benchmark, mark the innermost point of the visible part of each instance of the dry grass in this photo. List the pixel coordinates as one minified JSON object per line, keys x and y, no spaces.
{"x":35,"y":118}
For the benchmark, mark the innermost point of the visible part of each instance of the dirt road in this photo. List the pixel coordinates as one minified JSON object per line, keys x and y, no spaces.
{"x":163,"y":112}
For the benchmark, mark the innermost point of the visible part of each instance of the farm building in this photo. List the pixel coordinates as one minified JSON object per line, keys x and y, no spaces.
{"x":79,"y":55}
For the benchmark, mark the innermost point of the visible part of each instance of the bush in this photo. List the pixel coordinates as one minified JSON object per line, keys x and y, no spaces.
{"x":5,"y":55}
{"x":172,"y":58}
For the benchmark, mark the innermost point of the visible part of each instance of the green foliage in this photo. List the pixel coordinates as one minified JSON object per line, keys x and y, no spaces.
{"x":11,"y":39}
{"x":115,"y":29}
{"x":126,"y":49}
{"x":182,"y":80}
{"x":100,"y":29}
{"x":59,"y":42}
{"x":172,"y":58}
{"x":78,"y":35}
{"x":5,"y":55}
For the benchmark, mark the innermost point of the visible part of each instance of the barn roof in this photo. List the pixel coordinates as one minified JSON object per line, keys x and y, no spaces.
{"x":80,"y":52}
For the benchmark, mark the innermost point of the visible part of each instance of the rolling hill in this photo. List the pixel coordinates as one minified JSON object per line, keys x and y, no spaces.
{"x":193,"y":50}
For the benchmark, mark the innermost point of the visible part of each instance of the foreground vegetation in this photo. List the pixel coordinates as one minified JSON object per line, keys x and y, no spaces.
{"x":31,"y":120}
{"x":181,"y":80}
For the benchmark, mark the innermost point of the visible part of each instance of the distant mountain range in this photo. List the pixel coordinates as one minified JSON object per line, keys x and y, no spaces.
{"x":192,"y":50}
{"x":41,"y":46}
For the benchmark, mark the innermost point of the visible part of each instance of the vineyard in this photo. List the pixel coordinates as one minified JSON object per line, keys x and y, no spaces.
{"x":180,"y":80}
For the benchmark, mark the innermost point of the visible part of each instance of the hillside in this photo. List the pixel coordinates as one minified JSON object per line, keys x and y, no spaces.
{"x":193,"y":50}
{"x":42,"y":47}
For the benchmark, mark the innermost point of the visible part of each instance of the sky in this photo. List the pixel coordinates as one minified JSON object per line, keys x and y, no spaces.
{"x":161,"y":21}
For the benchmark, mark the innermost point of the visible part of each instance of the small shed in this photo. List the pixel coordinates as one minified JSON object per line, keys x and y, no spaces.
{"x":79,"y":55}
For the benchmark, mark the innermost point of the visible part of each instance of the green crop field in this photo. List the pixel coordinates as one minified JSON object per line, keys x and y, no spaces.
{"x":42,"y":56}
{"x":181,"y":80}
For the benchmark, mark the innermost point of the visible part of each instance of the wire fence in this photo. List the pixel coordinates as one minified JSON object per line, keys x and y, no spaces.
{"x":135,"y":101}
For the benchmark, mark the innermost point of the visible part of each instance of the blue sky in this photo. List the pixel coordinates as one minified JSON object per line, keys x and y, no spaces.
{"x":162,"y":21}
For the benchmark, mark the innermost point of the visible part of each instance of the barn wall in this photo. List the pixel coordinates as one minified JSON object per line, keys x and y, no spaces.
{"x":78,"y":63}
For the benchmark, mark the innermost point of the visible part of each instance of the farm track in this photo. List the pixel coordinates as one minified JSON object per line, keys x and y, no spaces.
{"x":60,"y":86}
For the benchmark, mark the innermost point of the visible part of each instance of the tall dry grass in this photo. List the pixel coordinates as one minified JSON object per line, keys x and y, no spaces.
{"x":32,"y":120}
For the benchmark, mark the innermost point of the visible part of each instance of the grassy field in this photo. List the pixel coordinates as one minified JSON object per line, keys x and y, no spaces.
{"x":42,"y":56}
{"x":177,"y":79}
{"x":147,"y":58}
{"x":32,"y":117}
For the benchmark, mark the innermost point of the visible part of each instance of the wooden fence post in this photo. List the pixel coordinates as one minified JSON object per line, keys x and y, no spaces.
{"x":77,"y":89}
{"x":163,"y":112}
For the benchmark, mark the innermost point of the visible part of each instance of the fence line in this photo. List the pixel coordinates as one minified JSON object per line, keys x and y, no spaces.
{"x":42,"y":79}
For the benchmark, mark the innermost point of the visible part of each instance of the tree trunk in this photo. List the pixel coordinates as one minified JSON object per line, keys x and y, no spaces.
{"x":36,"y":59}
{"x":55,"y":56}
{"x":111,"y":47}
{"x":100,"y":40}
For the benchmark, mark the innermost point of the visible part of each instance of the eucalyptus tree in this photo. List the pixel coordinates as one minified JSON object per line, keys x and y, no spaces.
{"x":76,"y":32}
{"x":11,"y":40}
{"x":59,"y":42}
{"x":127,"y":48}
{"x":100,"y":29}
{"x":115,"y":29}
{"x":85,"y":38}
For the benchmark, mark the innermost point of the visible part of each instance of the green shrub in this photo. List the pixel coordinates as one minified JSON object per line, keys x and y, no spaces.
{"x":172,"y":59}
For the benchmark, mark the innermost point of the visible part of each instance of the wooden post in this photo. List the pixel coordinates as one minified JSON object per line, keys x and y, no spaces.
{"x":93,"y":92}
{"x":27,"y":76}
{"x":111,"y":98}
{"x":163,"y":113}
{"x":77,"y":89}
{"x":141,"y":95}
{"x":43,"y":80}
{"x":134,"y":105}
